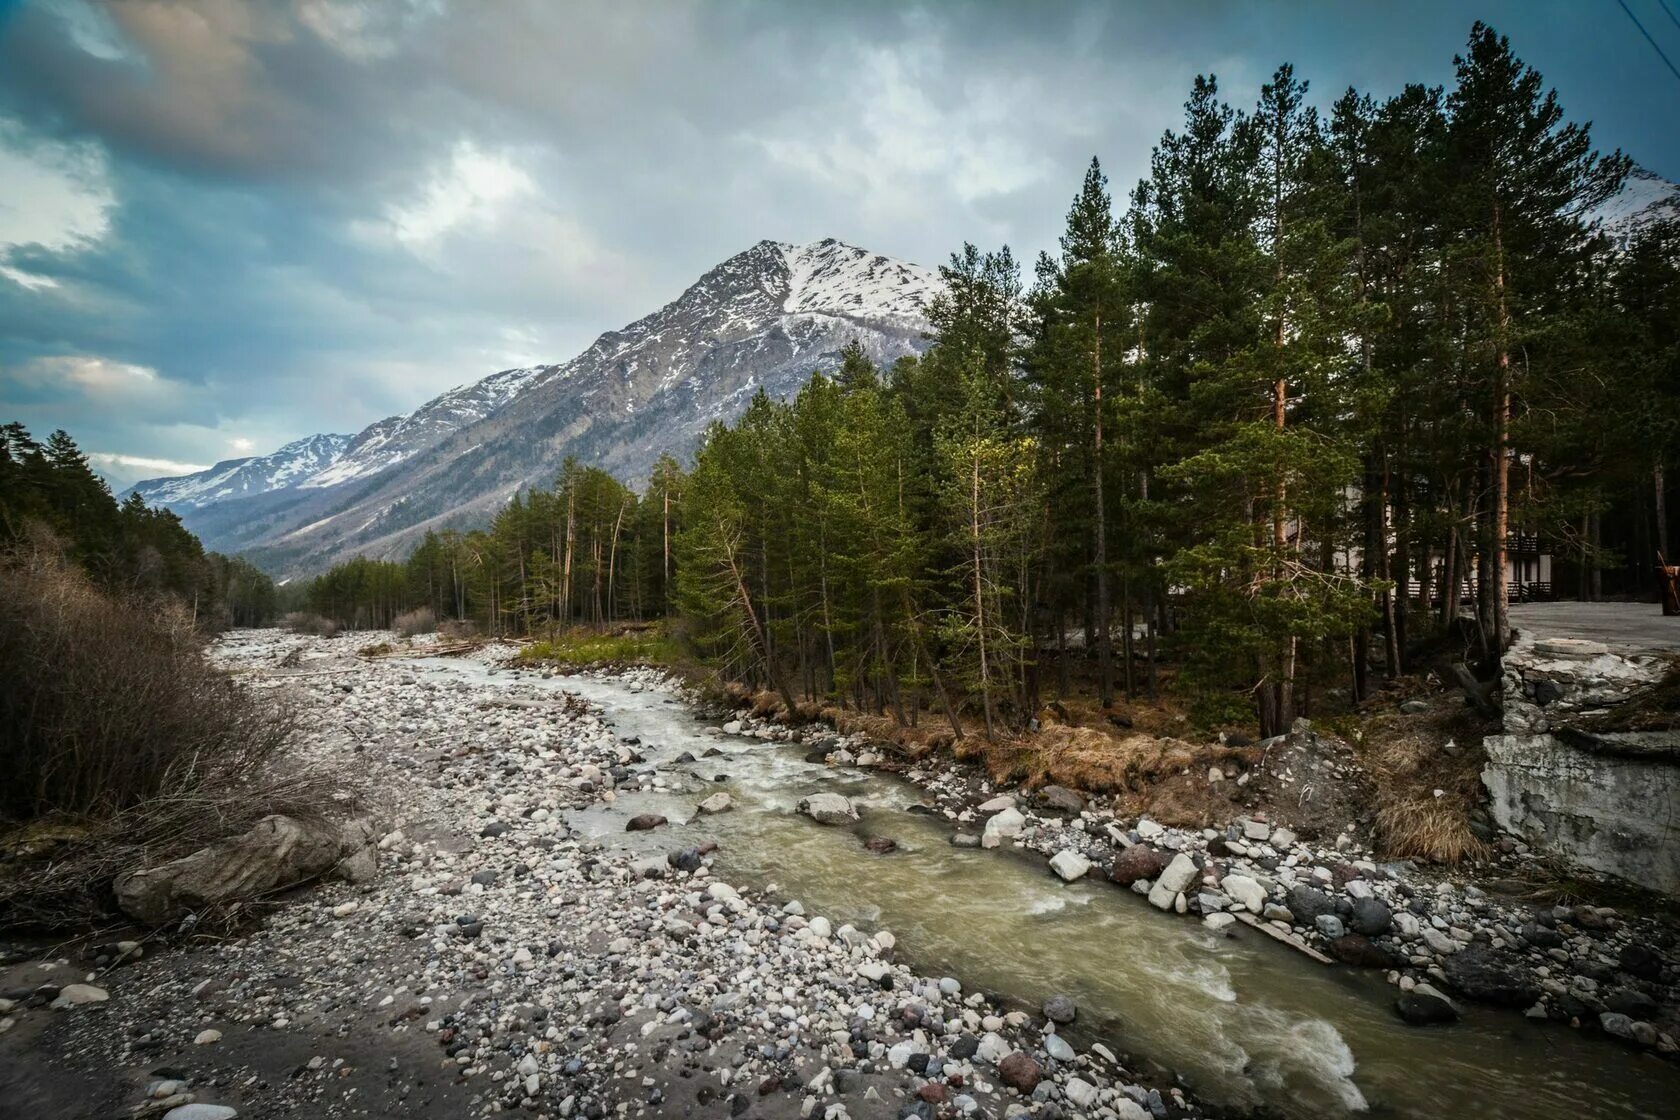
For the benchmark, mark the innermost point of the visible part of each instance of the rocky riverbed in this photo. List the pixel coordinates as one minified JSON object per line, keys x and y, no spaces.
{"x":497,"y":959}
{"x":1437,"y":938}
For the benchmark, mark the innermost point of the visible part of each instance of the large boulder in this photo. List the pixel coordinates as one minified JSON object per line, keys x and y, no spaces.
{"x":1003,"y":826}
{"x":1178,"y":876}
{"x":1372,"y":917}
{"x":1477,"y":974}
{"x":1139,"y":861}
{"x":1422,"y":1010}
{"x":1308,"y":904}
{"x":278,"y":852}
{"x":828,"y":808}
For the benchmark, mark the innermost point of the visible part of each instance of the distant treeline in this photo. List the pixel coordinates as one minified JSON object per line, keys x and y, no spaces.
{"x":51,"y":499}
{"x":1277,"y":422}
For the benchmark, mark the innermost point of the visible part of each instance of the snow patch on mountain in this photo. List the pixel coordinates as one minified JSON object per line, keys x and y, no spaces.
{"x":1645,"y":199}
{"x":383,"y":445}
{"x":239,"y":478}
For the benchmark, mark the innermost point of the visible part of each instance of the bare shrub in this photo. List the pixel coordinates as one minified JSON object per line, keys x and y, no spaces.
{"x":458,"y":629}
{"x":302,"y":622}
{"x":123,"y":743}
{"x":419,"y":621}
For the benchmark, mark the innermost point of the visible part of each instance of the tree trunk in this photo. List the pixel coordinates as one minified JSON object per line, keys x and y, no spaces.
{"x":1501,"y":443}
{"x":979,"y":594}
{"x":1105,"y":672}
{"x":1660,"y":491}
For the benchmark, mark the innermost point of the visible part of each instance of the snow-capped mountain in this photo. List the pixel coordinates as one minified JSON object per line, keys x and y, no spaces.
{"x":765,"y":318}
{"x":1645,"y":199}
{"x":242,"y":478}
{"x":396,"y":438}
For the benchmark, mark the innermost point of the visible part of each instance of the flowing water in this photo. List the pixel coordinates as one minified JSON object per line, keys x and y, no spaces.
{"x":1245,"y":1021}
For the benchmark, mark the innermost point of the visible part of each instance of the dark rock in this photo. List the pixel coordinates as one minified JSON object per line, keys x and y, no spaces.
{"x":965,"y":1047}
{"x":1631,"y":1002}
{"x":1540,"y":936}
{"x":1372,"y":917}
{"x":1480,"y":976}
{"x":1637,"y":960}
{"x":1308,"y":904}
{"x":685,"y":859}
{"x":1421,"y":1009}
{"x":1061,"y":799}
{"x":880,"y":845}
{"x":1360,"y":952}
{"x":1020,"y":1072}
{"x":485,"y":878}
{"x":494,"y":828}
{"x":1139,"y":861}
{"x":1060,"y":1009}
{"x":644,"y":822}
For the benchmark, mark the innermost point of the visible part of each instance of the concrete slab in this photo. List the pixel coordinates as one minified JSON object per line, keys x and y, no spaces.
{"x":1624,"y":627}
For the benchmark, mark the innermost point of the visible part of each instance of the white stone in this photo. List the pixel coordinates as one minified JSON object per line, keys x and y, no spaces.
{"x":1003,"y":826}
{"x":1245,"y":891}
{"x":1070,"y":865}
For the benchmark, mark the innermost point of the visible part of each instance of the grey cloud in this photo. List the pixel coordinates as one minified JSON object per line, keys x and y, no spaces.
{"x":257,"y":152}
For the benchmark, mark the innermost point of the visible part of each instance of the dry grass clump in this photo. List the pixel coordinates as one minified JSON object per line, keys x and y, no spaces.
{"x":122,"y":742}
{"x":418,"y":621}
{"x":1428,"y":828}
{"x":1409,"y":764}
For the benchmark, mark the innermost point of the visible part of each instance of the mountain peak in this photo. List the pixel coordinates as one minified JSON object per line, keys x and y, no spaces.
{"x":765,"y":319}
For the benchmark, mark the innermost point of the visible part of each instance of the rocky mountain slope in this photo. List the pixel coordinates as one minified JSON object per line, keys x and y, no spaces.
{"x":293,"y":464}
{"x":764,"y":319}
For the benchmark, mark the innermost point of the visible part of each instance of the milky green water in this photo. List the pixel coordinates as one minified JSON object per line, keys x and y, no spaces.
{"x":1243,"y":1020}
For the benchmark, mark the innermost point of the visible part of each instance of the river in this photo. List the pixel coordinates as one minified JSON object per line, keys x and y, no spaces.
{"x":1245,"y":1022}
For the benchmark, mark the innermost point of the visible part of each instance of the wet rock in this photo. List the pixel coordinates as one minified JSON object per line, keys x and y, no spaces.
{"x":1070,"y":865}
{"x":1479,"y":975}
{"x":1002,"y":826}
{"x":1177,"y":877}
{"x":881,"y":845}
{"x":1138,"y":862}
{"x":716,"y":803}
{"x":685,"y":859}
{"x":644,"y":822}
{"x":1422,"y":1010}
{"x":1060,"y":1009}
{"x":1360,"y":952}
{"x":828,"y":808}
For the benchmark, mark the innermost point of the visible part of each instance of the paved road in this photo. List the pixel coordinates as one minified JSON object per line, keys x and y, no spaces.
{"x":1626,"y":626}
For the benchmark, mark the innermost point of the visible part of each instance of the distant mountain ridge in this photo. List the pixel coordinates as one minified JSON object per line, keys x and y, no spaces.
{"x":765,"y":318}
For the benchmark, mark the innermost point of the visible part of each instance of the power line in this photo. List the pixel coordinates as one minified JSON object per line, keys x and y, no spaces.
{"x":1669,"y":12}
{"x":1671,"y":67}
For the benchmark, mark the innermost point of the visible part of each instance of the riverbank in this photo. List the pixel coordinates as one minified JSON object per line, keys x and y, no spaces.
{"x":1440,"y":936}
{"x":500,"y":959}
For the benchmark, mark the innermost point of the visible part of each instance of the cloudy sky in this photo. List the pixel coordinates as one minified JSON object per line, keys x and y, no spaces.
{"x":225,"y":224}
